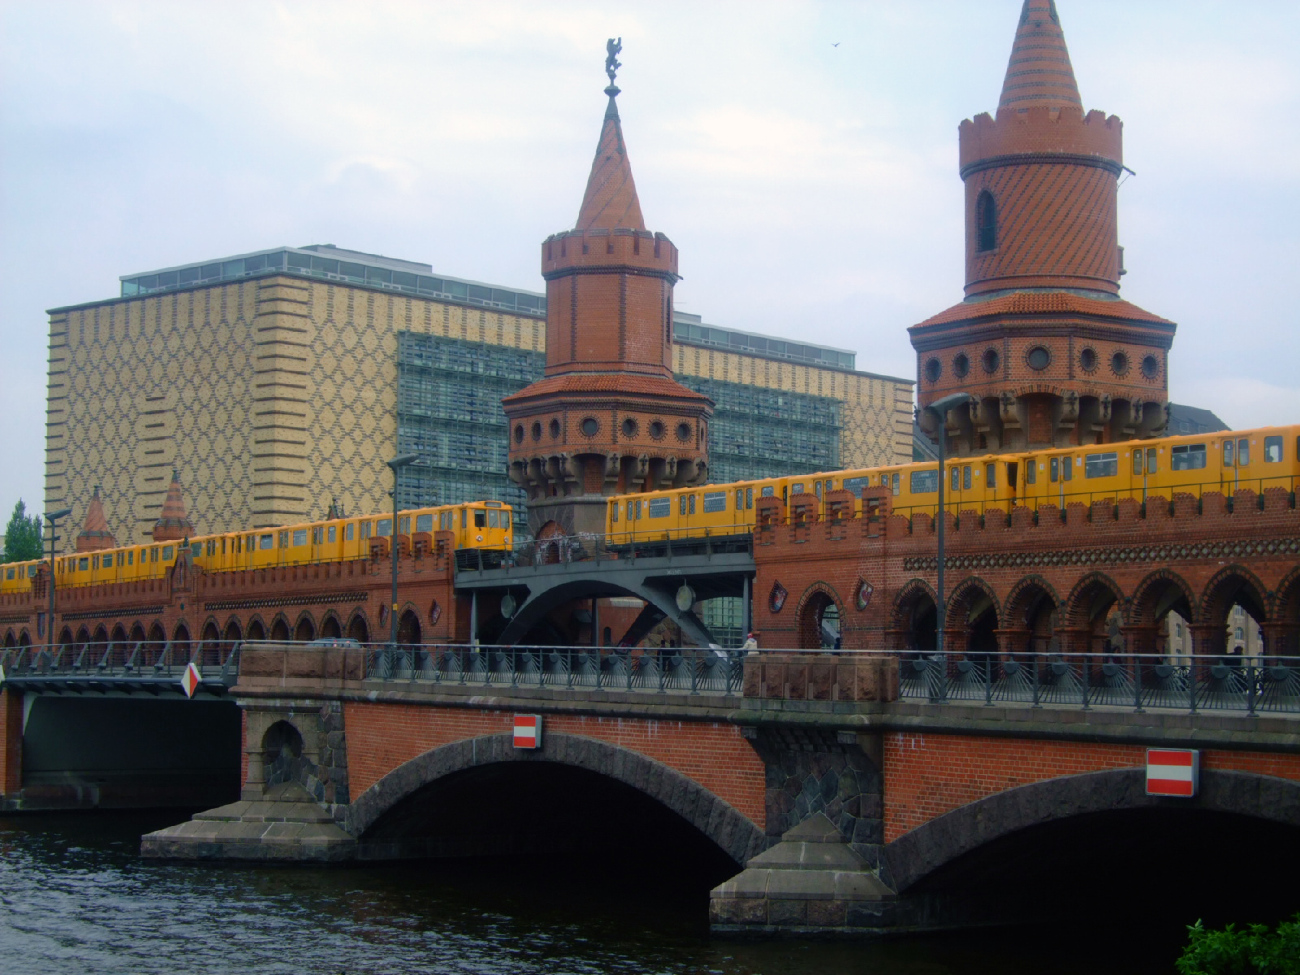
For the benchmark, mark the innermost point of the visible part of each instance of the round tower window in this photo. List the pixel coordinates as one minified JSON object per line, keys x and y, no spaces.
{"x":1119,"y":363}
{"x":590,"y":426}
{"x":537,"y":431}
{"x":960,"y":365}
{"x":933,"y":370}
{"x":683,"y":432}
{"x":989,"y":360}
{"x":1038,"y":357}
{"x":629,"y":427}
{"x":657,"y":429}
{"x":1088,"y":360}
{"x":555,"y":429}
{"x":519,"y":433}
{"x":1150,"y":366}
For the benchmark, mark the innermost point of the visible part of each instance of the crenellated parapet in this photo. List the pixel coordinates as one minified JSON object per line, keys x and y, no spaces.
{"x":1045,"y":134}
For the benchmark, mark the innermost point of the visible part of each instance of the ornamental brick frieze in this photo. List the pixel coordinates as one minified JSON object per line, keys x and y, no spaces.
{"x":1147,"y":554}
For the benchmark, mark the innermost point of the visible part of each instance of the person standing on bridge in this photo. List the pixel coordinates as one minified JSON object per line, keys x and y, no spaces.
{"x":751,"y":642}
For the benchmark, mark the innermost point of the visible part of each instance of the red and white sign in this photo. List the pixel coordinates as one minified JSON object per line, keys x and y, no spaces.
{"x":191,"y":679}
{"x":1173,"y":771}
{"x":528,"y":731}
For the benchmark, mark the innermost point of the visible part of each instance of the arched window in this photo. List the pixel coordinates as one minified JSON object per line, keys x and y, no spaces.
{"x":986,"y":219}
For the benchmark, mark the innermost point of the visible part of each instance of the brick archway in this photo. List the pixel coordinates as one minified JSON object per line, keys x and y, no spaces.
{"x":914,"y":617}
{"x":920,"y":852}
{"x":733,"y":832}
{"x":809,"y":615}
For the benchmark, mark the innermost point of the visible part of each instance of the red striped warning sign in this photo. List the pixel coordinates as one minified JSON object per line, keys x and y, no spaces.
{"x":1173,"y":771}
{"x":528,"y":731}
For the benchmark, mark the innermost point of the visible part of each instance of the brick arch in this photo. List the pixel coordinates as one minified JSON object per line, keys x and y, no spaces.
{"x":1286,"y":600}
{"x":304,"y":628}
{"x":282,"y":753}
{"x":1026,"y":595}
{"x":256,"y":629}
{"x":11,"y":639}
{"x":903,"y":620}
{"x":733,"y":832}
{"x":24,"y":638}
{"x":359,"y":626}
{"x":280,"y":629}
{"x":409,"y":630}
{"x":233,"y":632}
{"x":979,"y":636}
{"x":1223,"y":590}
{"x":330,"y":627}
{"x":920,"y":852}
{"x":1032,"y":612}
{"x":962,"y":592}
{"x":1079,"y":604}
{"x":808,"y":613}
{"x":1157,"y":594}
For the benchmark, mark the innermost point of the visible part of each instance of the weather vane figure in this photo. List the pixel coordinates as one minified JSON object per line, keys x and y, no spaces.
{"x":612,"y":63}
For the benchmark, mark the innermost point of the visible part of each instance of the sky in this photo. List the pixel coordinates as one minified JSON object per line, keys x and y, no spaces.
{"x":802,"y":156}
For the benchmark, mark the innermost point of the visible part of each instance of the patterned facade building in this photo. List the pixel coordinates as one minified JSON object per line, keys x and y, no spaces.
{"x":279,"y":381}
{"x":1051,"y":353}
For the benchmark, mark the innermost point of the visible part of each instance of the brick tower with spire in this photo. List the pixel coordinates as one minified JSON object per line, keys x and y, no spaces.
{"x":607,"y":417}
{"x":1052,"y":354}
{"x":95,"y":535}
{"x":173,"y":522}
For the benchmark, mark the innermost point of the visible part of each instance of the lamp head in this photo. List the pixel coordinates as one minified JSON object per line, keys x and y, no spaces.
{"x":942,"y":407}
{"x":403,"y":460}
{"x":53,"y":516}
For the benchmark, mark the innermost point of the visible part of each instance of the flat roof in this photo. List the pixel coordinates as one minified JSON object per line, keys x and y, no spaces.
{"x":359,"y":268}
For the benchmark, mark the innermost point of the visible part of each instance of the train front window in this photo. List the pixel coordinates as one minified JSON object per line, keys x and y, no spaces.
{"x":1101,"y":465}
{"x":505,"y":520}
{"x":492,"y":519}
{"x":1187,"y":457}
{"x":1243,"y":453}
{"x":480,"y":518}
{"x":1272,"y":450}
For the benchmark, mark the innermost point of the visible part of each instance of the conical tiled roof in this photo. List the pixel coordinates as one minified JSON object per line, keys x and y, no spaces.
{"x":173,"y":524}
{"x":95,"y":535}
{"x":610,"y":201}
{"x":1039,"y":72}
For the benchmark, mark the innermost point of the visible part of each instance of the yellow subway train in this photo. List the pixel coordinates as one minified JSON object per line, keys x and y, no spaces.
{"x":1195,"y":464}
{"x":479,"y":524}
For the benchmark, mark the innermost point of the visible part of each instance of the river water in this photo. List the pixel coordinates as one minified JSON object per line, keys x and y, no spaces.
{"x":75,"y":897}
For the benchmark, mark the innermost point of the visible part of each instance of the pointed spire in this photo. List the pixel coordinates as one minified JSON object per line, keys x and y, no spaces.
{"x":611,"y":201}
{"x":173,"y":523}
{"x":95,"y":535}
{"x":1039,"y":71}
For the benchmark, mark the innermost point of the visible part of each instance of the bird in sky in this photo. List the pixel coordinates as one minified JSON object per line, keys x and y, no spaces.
{"x":836,"y":44}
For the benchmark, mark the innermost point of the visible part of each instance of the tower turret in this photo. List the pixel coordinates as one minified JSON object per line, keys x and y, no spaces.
{"x":1043,"y":341}
{"x":95,"y":535}
{"x":607,"y":417}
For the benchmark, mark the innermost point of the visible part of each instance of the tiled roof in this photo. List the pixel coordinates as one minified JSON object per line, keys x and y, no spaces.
{"x":610,"y":201}
{"x":1042,"y":303}
{"x":627,"y":383}
{"x":1039,"y":70}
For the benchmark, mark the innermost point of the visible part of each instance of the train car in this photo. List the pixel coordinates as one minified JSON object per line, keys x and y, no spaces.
{"x":18,"y":576}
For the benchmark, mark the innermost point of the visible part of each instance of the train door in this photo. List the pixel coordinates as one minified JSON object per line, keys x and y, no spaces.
{"x":1235,"y":465}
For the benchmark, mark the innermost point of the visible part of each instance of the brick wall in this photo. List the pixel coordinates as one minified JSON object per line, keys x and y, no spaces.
{"x":11,"y":742}
{"x":382,"y":736}
{"x":929,"y":775}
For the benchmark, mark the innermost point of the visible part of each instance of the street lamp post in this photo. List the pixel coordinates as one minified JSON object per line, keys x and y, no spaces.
{"x":53,"y":517}
{"x":940,"y":408}
{"x":404,"y":460}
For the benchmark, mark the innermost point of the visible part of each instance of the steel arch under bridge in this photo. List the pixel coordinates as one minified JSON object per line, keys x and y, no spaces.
{"x":586,"y":570}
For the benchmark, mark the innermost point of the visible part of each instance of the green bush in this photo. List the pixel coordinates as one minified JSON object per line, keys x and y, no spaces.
{"x":1254,"y":950}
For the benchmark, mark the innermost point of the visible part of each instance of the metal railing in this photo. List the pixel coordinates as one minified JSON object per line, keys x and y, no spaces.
{"x":651,"y":671}
{"x":1137,"y":682}
{"x":122,"y":661}
{"x":622,"y":546}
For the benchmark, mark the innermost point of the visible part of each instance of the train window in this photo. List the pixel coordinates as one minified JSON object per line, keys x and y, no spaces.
{"x":690,"y":505}
{"x":404,"y":525}
{"x":1067,"y":469}
{"x":965,"y":478}
{"x":990,"y":476}
{"x":796,"y":489}
{"x":284,"y":539}
{"x":31,"y":572}
{"x":740,"y":499}
{"x":896,"y":488}
{"x":715,"y":501}
{"x":349,"y":532}
{"x":492,"y":519}
{"x":1054,"y":469}
{"x":1101,"y":465}
{"x":629,"y":511}
{"x":505,"y":520}
{"x":613,"y":513}
{"x":480,"y":518}
{"x":856,"y":484}
{"x":108,"y":561}
{"x":1243,"y":453}
{"x":660,"y":507}
{"x":1137,"y":462}
{"x":9,"y":574}
{"x":423,"y":523}
{"x":196,"y":549}
{"x":956,"y":478}
{"x":464,"y":518}
{"x":681,"y":504}
{"x":130,"y":558}
{"x":299,"y":536}
{"x":83,"y":565}
{"x":1272,"y":450}
{"x":1229,"y":449}
{"x":925,"y":482}
{"x":1012,"y":470}
{"x":1031,"y":471}
{"x":332,"y":533}
{"x":266,"y":541}
{"x":1151,"y":460}
{"x":770,"y":490}
{"x":94,"y":561}
{"x":817,"y":489}
{"x":384,"y":527}
{"x":638,"y":510}
{"x":749,"y":498}
{"x":1187,"y":457}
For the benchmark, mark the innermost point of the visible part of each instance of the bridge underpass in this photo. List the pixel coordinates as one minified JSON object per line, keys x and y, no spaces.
{"x":659,"y":579}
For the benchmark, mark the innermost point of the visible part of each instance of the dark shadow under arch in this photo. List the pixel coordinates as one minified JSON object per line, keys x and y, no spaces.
{"x":917,"y":854}
{"x":730,"y":830}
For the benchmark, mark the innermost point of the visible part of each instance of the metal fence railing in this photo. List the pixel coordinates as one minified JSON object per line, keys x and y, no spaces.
{"x":565,"y":549}
{"x":1139,"y":682}
{"x":129,"y":660}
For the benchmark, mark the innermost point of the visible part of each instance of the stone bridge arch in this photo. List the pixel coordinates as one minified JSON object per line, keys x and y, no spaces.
{"x":730,"y":830}
{"x":922,"y":852}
